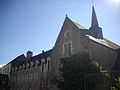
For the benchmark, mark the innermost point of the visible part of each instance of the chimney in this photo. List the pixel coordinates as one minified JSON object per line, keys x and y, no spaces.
{"x":42,"y":51}
{"x":29,"y":54}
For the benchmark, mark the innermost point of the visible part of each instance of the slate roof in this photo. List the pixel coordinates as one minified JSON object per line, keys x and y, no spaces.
{"x":42,"y":55}
{"x":17,"y":60}
{"x":105,"y":42}
{"x":37,"y":57}
{"x":79,"y":26}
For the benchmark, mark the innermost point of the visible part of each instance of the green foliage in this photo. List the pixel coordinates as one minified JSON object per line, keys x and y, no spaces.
{"x":73,"y":70}
{"x":117,"y":84}
{"x":0,"y":70}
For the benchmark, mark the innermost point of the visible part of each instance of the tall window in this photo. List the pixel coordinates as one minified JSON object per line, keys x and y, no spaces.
{"x":67,"y":49}
{"x":49,"y":65}
{"x":42,"y":66}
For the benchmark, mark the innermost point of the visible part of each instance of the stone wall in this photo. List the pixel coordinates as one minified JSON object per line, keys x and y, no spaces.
{"x":32,"y":78}
{"x":105,"y":56}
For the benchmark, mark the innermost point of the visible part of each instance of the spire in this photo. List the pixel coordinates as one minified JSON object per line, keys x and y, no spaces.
{"x":96,"y":31}
{"x":94,"y":22}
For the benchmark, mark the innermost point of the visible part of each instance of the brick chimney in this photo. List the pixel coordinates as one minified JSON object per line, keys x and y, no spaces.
{"x":42,"y":51}
{"x":29,"y":54}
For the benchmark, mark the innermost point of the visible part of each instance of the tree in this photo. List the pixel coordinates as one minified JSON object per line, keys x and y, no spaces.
{"x":116,"y":84}
{"x":0,"y":70}
{"x":72,"y":72}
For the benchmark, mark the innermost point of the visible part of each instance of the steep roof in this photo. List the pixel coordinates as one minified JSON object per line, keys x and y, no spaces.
{"x":40,"y":56}
{"x":113,"y":45}
{"x":79,"y":26}
{"x":105,"y":42}
{"x":76,"y":24}
{"x":18,"y":60}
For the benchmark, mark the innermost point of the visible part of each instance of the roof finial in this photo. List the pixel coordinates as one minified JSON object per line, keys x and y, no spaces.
{"x":93,"y":2}
{"x":66,"y":15}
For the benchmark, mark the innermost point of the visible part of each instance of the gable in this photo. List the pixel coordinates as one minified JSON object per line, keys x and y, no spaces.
{"x":73,"y":29}
{"x":69,"y":36}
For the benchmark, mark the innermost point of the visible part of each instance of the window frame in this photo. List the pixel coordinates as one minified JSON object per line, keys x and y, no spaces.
{"x":66,"y":50}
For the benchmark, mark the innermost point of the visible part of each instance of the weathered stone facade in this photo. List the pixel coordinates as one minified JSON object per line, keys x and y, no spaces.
{"x":33,"y":74}
{"x":98,"y":51}
{"x":104,"y":55}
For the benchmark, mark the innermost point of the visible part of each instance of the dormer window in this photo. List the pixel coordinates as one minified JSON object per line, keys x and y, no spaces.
{"x":36,"y":63}
{"x":31,"y":64}
{"x":16,"y":68}
{"x":23,"y":66}
{"x":20,"y":67}
{"x":13,"y":69}
{"x":27,"y":65}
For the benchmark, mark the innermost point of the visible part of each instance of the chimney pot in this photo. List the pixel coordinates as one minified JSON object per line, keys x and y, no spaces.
{"x":29,"y":54}
{"x":42,"y":51}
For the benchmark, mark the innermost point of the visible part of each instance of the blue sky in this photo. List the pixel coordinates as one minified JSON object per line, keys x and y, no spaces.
{"x":35,"y":24}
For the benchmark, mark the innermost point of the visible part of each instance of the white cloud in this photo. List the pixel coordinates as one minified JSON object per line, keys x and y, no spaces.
{"x":2,"y":65}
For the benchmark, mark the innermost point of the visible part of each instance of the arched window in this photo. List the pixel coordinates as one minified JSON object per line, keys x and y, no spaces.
{"x":13,"y":69}
{"x":16,"y":68}
{"x":20,"y":67}
{"x":31,"y":64}
{"x":27,"y":65}
{"x":23,"y":66}
{"x":36,"y":62}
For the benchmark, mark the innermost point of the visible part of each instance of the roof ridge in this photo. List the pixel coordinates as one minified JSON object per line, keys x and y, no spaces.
{"x":76,"y":24}
{"x":112,"y":43}
{"x":79,"y":26}
{"x":42,"y":53}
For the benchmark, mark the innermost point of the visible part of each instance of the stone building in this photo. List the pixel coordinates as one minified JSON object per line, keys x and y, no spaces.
{"x":7,"y":67}
{"x":75,"y":39}
{"x":36,"y":72}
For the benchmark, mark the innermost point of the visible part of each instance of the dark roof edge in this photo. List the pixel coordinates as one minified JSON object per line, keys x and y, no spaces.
{"x":15,"y":59}
{"x":104,"y":45}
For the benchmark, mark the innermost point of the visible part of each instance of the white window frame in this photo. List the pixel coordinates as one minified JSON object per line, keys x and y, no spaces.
{"x":35,"y":76}
{"x":48,"y":64}
{"x":36,"y":63}
{"x":67,"y":48}
{"x":42,"y":65}
{"x":31,"y":64}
